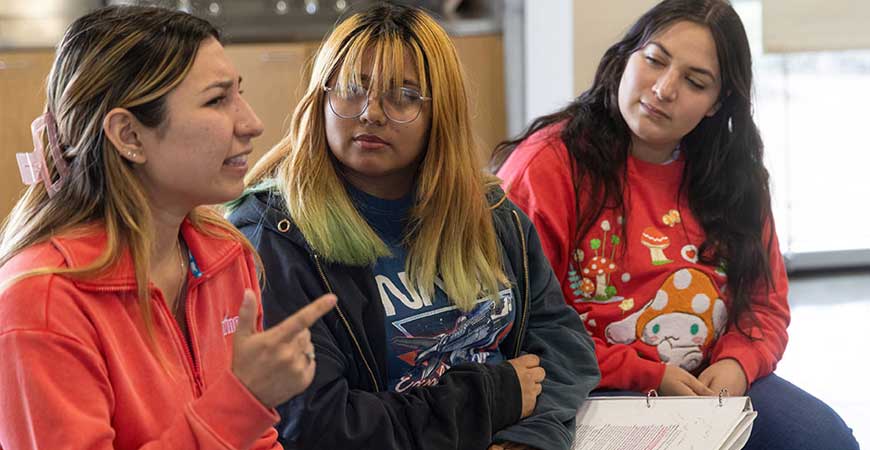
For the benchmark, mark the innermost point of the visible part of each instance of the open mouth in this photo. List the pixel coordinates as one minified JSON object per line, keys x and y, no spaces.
{"x":237,"y":161}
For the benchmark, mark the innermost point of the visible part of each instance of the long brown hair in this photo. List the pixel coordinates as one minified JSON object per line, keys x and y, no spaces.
{"x":116,"y":57}
{"x":451,"y":233}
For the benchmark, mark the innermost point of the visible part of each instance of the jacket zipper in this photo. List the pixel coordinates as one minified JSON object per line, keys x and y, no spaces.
{"x":347,"y":325}
{"x":197,"y":371}
{"x":179,"y":337}
{"x":526,"y":282}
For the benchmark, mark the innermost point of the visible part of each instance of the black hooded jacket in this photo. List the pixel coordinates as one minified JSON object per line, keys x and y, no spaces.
{"x":348,"y":407}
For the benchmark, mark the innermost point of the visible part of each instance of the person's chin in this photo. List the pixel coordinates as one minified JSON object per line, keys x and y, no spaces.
{"x":373,"y":172}
{"x":652,"y":133}
{"x":370,"y":165}
{"x":227,"y":194}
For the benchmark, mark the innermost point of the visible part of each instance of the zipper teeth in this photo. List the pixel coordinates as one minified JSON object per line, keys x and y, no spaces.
{"x":347,"y":324}
{"x":187,"y":352}
{"x":190,"y":327}
{"x":525,"y":279}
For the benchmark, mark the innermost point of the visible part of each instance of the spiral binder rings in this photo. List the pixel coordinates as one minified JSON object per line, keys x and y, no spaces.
{"x":664,"y":423}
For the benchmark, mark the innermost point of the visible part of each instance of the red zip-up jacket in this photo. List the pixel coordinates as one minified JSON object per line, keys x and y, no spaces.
{"x":636,"y":281}
{"x":77,"y":371}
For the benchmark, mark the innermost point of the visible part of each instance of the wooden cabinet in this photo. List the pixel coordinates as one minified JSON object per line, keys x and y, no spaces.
{"x":274,"y":77}
{"x":22,"y":98}
{"x":483,"y":60}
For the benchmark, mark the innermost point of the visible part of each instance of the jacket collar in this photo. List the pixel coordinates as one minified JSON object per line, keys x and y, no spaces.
{"x":267,"y":209}
{"x":86,"y":244}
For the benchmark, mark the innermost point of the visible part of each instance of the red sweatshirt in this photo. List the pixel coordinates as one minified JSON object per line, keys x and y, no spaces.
{"x":636,"y":281}
{"x":77,"y":371}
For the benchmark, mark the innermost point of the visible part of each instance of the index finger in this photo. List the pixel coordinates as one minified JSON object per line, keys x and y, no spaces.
{"x":305,"y":317}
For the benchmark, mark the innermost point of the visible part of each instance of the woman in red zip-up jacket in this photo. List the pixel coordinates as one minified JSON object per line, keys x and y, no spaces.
{"x":129,"y":315}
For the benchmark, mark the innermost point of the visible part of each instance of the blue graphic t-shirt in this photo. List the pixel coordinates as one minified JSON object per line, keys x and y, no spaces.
{"x":426,"y":336}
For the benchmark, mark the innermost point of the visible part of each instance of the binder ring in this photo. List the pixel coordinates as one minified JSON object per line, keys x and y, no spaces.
{"x":649,"y":395}
{"x":722,"y":394}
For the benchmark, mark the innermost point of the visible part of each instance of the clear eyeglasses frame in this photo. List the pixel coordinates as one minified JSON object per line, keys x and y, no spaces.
{"x":399,"y":104}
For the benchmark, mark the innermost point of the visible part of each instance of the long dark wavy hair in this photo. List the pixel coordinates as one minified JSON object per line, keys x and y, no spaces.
{"x":724,"y":177}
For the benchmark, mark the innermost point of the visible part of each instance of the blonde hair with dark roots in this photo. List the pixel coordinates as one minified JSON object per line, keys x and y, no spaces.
{"x":121,"y":56}
{"x":451,"y":234}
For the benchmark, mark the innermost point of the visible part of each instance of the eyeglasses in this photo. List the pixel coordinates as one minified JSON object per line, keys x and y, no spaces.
{"x":400,"y":104}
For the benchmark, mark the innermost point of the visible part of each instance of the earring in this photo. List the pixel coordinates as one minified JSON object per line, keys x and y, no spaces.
{"x":131,"y":154}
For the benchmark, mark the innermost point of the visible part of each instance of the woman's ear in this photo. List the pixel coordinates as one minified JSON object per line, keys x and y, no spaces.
{"x":714,"y":109}
{"x":718,"y":105}
{"x":120,"y":128}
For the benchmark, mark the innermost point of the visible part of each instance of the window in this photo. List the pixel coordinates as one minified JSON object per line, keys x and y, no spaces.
{"x":813,"y":110}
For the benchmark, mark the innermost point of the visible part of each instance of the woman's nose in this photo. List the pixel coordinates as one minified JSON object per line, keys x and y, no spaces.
{"x":374,"y":113}
{"x":665,"y":87}
{"x":249,"y":124}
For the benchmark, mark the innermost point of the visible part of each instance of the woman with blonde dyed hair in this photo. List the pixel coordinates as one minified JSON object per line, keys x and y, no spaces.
{"x":128,"y":311}
{"x":450,"y":330}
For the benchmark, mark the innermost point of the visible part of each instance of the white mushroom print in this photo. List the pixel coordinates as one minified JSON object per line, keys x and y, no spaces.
{"x":581,"y":287}
{"x":683,"y":319}
{"x":656,"y":242}
{"x":601,"y":268}
{"x":605,"y":225}
{"x":593,"y":281}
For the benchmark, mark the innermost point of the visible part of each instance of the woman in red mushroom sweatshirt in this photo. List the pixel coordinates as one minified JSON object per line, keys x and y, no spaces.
{"x":653,"y":207}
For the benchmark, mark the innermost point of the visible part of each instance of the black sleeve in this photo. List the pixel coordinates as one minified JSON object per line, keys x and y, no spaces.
{"x":469,"y":403}
{"x":557,"y":335}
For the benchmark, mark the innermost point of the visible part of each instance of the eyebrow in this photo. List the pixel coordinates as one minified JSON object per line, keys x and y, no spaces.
{"x":700,"y":70}
{"x":223,"y":84}
{"x":365,"y":78}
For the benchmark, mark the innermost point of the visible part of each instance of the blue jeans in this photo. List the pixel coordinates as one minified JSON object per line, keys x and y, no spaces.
{"x":788,"y":418}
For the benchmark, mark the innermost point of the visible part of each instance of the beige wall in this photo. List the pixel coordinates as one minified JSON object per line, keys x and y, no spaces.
{"x":564,"y":42}
{"x":815,"y":25}
{"x":22,"y":98}
{"x":273,"y":85}
{"x":597,"y":26}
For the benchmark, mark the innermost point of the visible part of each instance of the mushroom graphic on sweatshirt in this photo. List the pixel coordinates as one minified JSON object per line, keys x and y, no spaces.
{"x":682,"y":320}
{"x":592,"y":280}
{"x":656,"y":242}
